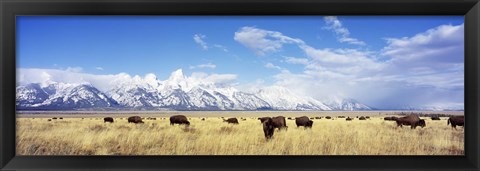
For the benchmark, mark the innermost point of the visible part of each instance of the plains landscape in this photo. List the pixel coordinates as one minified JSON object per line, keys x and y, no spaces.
{"x":117,"y":84}
{"x":87,"y":134}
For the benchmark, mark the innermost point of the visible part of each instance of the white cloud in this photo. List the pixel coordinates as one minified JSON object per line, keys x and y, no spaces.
{"x":221,"y":78}
{"x":343,"y":34}
{"x":442,"y":44}
{"x":99,"y":68}
{"x":74,"y":69}
{"x":271,"y":66}
{"x":293,"y":60}
{"x":221,"y":47}
{"x":209,"y":65}
{"x":198,"y":38}
{"x":263,"y":41}
{"x":109,"y":81}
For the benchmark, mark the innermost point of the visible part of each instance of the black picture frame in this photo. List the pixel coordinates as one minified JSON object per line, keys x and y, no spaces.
{"x":11,"y":8}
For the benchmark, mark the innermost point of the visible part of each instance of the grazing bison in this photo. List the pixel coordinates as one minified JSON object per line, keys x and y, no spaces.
{"x":368,"y":117}
{"x":390,"y":118}
{"x":203,"y":119}
{"x":54,"y":118}
{"x":341,"y":116}
{"x":349,"y":119}
{"x":456,"y":121}
{"x":108,"y":119}
{"x":179,"y":119}
{"x":263,"y":119}
{"x":435,"y":118}
{"x":312,"y":118}
{"x":49,"y":120}
{"x":318,"y":117}
{"x":135,"y":119}
{"x":412,"y":120}
{"x":328,"y":117}
{"x":231,"y":120}
{"x":303,"y":121}
{"x":60,"y":118}
{"x":362,"y":118}
{"x":279,"y":122}
{"x":268,"y":127}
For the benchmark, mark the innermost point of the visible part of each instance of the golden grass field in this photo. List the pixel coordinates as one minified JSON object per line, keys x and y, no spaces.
{"x":90,"y":136}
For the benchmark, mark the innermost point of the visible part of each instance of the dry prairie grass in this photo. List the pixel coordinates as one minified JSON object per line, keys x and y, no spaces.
{"x":76,"y":136}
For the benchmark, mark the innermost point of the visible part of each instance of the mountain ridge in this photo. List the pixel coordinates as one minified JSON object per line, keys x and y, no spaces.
{"x":178,"y":92}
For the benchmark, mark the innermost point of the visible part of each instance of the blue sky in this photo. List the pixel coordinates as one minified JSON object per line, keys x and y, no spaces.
{"x":263,"y":50}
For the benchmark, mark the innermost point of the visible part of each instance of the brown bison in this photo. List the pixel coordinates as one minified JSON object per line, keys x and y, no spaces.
{"x":412,"y":120}
{"x":349,"y":119}
{"x":456,"y":121}
{"x":49,"y":120}
{"x":341,"y":116}
{"x":268,"y":127}
{"x":135,"y":119}
{"x":279,"y":122}
{"x":108,"y":119}
{"x":303,"y":121}
{"x":318,"y":117}
{"x":203,"y":119}
{"x":231,"y":120}
{"x":435,"y":118}
{"x":60,"y":118}
{"x":54,"y":118}
{"x":390,"y":118}
{"x":362,"y":118}
{"x":328,"y":117}
{"x":179,"y":119}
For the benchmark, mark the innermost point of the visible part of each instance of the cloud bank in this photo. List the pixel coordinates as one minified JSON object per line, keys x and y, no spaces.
{"x":426,"y":68}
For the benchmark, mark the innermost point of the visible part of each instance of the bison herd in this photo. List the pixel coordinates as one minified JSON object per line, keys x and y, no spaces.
{"x":270,"y":123}
{"x":413,"y":121}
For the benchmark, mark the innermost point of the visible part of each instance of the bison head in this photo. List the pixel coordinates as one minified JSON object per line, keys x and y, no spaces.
{"x":309,"y":123}
{"x":422,"y":123}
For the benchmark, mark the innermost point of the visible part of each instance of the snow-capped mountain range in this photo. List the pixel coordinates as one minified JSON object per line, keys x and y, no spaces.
{"x":178,"y":92}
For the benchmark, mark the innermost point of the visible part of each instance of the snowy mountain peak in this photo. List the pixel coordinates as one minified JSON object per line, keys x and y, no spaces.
{"x":177,"y":75}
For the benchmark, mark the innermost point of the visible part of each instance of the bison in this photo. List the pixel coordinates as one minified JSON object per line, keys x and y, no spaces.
{"x":412,"y":120}
{"x":179,"y":119}
{"x":49,"y":120}
{"x":362,"y":118}
{"x":279,"y":122}
{"x":135,"y":119}
{"x":328,"y":117}
{"x":435,"y":118}
{"x":349,"y":119}
{"x":54,"y":118}
{"x":268,"y":127}
{"x":456,"y":121}
{"x":303,"y":121}
{"x":318,"y":117}
{"x":231,"y":120}
{"x":108,"y":119}
{"x":203,"y":119}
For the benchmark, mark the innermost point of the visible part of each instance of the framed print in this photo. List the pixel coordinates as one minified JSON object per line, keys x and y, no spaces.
{"x":239,"y":85}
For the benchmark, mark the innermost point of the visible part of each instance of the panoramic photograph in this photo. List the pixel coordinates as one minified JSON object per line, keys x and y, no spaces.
{"x":240,"y":85}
